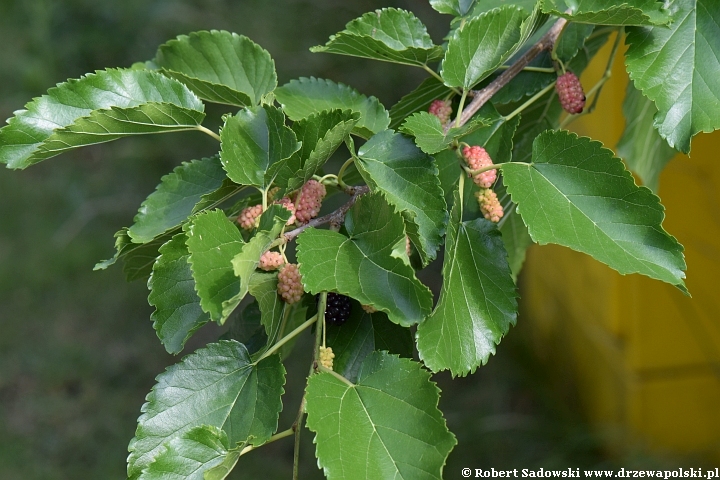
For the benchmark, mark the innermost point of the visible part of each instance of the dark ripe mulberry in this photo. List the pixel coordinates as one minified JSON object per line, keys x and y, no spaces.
{"x":570,"y":93}
{"x":337,"y":309}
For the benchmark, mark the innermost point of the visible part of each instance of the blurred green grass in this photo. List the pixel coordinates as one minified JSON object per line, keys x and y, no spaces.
{"x":77,"y":350}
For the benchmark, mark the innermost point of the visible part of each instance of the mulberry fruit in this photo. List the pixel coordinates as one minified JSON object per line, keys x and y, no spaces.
{"x":290,"y":205}
{"x":326,"y":357}
{"x":441,"y":109}
{"x":309,"y":201}
{"x":270,"y":261}
{"x":290,"y":285}
{"x":489,"y":205}
{"x":247,"y":217}
{"x":337,"y":309}
{"x":570,"y":93}
{"x":477,"y":158}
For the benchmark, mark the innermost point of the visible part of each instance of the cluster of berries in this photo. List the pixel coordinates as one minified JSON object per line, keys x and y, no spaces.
{"x":489,"y":204}
{"x":441,"y":109}
{"x":326,"y":357}
{"x":290,"y":285}
{"x":477,"y":158}
{"x":570,"y":93}
{"x":305,"y":206}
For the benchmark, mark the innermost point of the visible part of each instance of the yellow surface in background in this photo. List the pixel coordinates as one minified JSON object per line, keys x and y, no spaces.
{"x":646,"y":357}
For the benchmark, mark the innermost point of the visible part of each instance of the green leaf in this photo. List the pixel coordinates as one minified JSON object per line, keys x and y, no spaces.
{"x":246,"y":261}
{"x":392,"y":165}
{"x":177,"y":312}
{"x":201,"y":453}
{"x":247,"y":329}
{"x":390,"y":35}
{"x":483,"y":44}
{"x":360,"y":335}
{"x":675,"y":67}
{"x":219,"y":66}
{"x":254,"y":140}
{"x":572,"y":40}
{"x":213,"y":241}
{"x":217,"y":385}
{"x":641,"y":146}
{"x":430,"y":135}
{"x":263,"y":286}
{"x":418,"y":100}
{"x":363,"y":266}
{"x":96,"y":108}
{"x":515,"y":234}
{"x":227,"y":189}
{"x":478,"y":300}
{"x":576,"y":194}
{"x":385,"y":426}
{"x":306,"y":96}
{"x":482,"y":6}
{"x":602,"y":12}
{"x":320,"y":135}
{"x":174,"y":200}
{"x":458,"y":8}
{"x":139,"y":258}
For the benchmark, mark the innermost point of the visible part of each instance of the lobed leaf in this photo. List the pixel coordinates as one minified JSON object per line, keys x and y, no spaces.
{"x":478,"y":300}
{"x":641,"y":146}
{"x":602,"y":12}
{"x":219,"y":66}
{"x":306,"y":96}
{"x":202,"y":453}
{"x":408,"y":179}
{"x":363,"y":266}
{"x":99,"y":107}
{"x":389,"y":34}
{"x":254,"y":142}
{"x":387,"y":425}
{"x":175,"y":198}
{"x":676,"y":68}
{"x":217,"y":385}
{"x":213,"y":241}
{"x":577,"y":194}
{"x":178,"y":313}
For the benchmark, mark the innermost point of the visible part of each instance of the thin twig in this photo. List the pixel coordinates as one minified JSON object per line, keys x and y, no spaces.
{"x":482,"y":96}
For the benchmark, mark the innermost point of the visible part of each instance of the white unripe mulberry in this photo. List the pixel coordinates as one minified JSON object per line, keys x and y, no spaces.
{"x":248,"y":216}
{"x":270,"y":261}
{"x":326,"y":357}
{"x":489,"y":204}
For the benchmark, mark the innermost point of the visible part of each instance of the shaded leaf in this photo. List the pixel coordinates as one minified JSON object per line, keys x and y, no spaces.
{"x":363,"y":266}
{"x":213,"y":241}
{"x":360,"y":335}
{"x":177,"y":312}
{"x":202,"y":453}
{"x":389,"y":34}
{"x":478,"y":300}
{"x":219,"y":66}
{"x":96,"y":108}
{"x":306,"y":96}
{"x":385,"y":426}
{"x":641,"y":146}
{"x":253,"y":141}
{"x":217,"y":385}
{"x":677,"y":67}
{"x":392,"y":165}
{"x":174,"y":199}
{"x":602,"y":12}
{"x":577,"y":194}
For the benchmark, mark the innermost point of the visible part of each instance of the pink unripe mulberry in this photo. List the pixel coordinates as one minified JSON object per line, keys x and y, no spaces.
{"x":477,"y":158}
{"x":489,"y":204}
{"x":290,"y":285}
{"x":271,"y":261}
{"x":570,"y":93}
{"x":290,"y":205}
{"x":441,"y":109}
{"x":309,"y":201}
{"x":247,"y":217}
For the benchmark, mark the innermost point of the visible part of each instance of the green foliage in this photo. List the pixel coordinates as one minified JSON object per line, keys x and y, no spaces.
{"x":387,"y":425}
{"x":374,"y":413}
